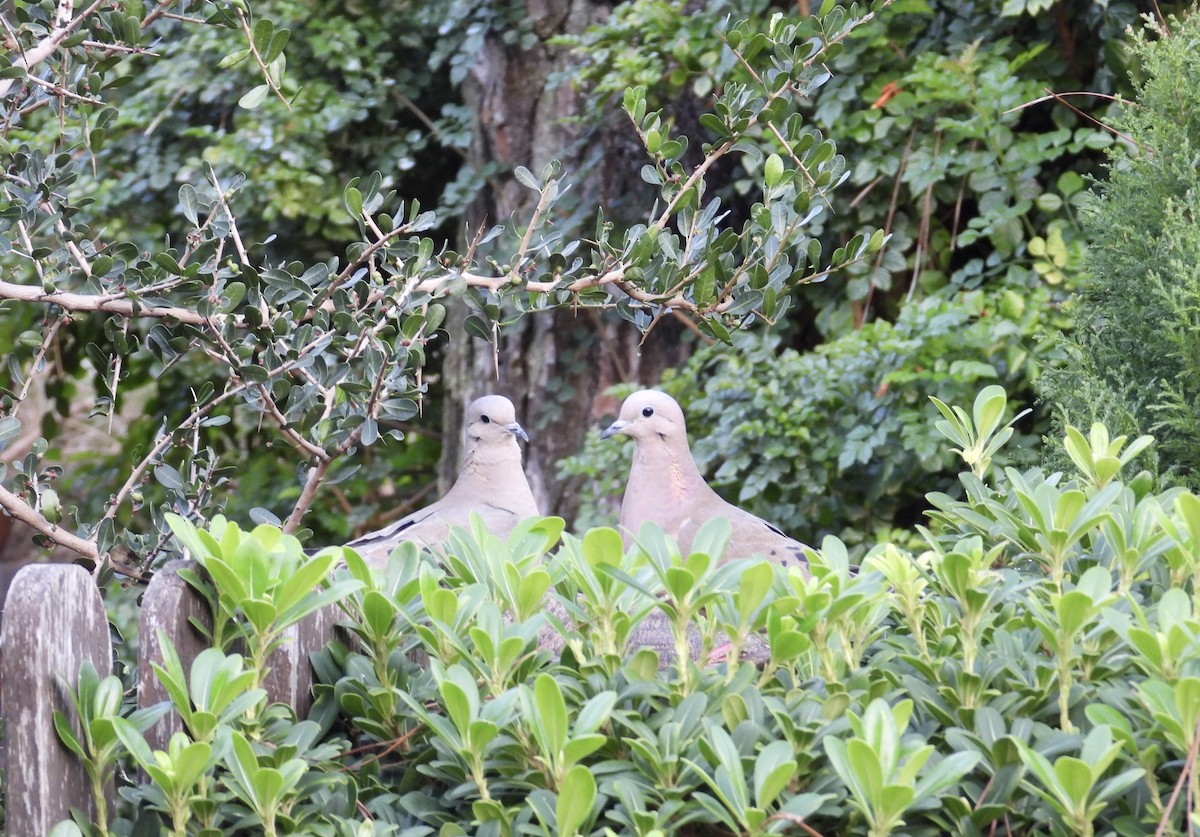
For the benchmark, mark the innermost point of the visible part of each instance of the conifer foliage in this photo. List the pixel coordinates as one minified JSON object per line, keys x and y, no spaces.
{"x":1134,"y":362}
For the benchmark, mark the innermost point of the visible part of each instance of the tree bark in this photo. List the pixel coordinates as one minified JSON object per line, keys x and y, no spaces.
{"x":554,"y":366}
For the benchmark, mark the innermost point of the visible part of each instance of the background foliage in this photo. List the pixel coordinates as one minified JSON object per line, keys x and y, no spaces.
{"x":1132,"y":362}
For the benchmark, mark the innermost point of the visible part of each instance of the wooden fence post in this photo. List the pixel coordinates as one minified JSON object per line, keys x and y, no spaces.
{"x":290,"y":680}
{"x":168,"y":605}
{"x":54,"y":620}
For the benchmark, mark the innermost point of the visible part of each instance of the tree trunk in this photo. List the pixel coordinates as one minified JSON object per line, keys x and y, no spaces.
{"x":554,"y":366}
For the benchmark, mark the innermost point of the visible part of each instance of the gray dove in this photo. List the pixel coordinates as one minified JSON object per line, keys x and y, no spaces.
{"x":665,"y":486}
{"x":491,"y":484}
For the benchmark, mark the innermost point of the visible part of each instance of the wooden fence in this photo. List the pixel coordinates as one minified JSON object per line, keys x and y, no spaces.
{"x":53,"y":620}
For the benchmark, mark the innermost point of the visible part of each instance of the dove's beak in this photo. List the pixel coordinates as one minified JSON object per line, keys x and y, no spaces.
{"x":517,"y":430}
{"x":613,"y":429}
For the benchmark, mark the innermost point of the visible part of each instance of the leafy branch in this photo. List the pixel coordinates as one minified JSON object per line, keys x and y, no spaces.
{"x":327,"y":352}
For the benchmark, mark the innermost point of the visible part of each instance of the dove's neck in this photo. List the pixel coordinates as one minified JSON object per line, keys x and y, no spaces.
{"x":667,"y":463}
{"x":495,"y":463}
{"x":492,"y":475}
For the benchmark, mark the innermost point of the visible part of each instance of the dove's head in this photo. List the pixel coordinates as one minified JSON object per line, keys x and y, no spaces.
{"x":492,"y":420}
{"x":649,"y":414}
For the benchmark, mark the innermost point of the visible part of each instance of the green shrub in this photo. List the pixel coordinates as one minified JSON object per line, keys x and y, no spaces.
{"x":1134,"y":363}
{"x":1035,"y":668}
{"x":838,"y":440}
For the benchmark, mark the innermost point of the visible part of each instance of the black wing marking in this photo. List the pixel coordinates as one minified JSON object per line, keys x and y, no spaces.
{"x":392,"y":531}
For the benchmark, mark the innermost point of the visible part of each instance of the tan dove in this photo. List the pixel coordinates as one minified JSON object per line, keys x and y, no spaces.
{"x":665,"y":486}
{"x":491,"y":484}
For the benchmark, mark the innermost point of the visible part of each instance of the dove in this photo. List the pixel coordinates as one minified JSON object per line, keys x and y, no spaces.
{"x":665,"y":486}
{"x":490,"y":484}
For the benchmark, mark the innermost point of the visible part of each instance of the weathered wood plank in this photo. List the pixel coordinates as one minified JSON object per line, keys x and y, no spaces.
{"x":168,"y":605}
{"x":290,"y":680}
{"x":54,"y":620}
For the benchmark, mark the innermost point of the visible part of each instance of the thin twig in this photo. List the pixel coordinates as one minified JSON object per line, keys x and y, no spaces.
{"x":535,"y":221}
{"x":1060,"y":98}
{"x":127,"y":50}
{"x":290,"y":433}
{"x":28,"y":242}
{"x":72,"y":247}
{"x":258,"y":59}
{"x":958,"y":205}
{"x":362,"y":259}
{"x":182,"y":18}
{"x":690,"y":324}
{"x":392,"y":745}
{"x":395,"y":512}
{"x":47,"y":339}
{"x":925,"y":225}
{"x":1189,"y":767}
{"x":224,"y":204}
{"x":775,"y":130}
{"x":412,"y":108}
{"x":162,"y":115}
{"x":864,"y":191}
{"x":58,"y":90}
{"x":158,"y":12}
{"x":887,"y":224}
{"x":795,"y":820}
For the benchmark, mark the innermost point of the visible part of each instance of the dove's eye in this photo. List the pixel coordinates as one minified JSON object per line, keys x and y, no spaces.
{"x":648,"y":411}
{"x":485,"y":419}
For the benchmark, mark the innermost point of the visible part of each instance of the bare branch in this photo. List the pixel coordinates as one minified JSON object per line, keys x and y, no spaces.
{"x":121,"y":48}
{"x":72,"y":247}
{"x":316,"y":474}
{"x":28,"y":242}
{"x":1061,"y":98}
{"x":90,"y":302}
{"x":58,"y":90}
{"x":539,"y":212}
